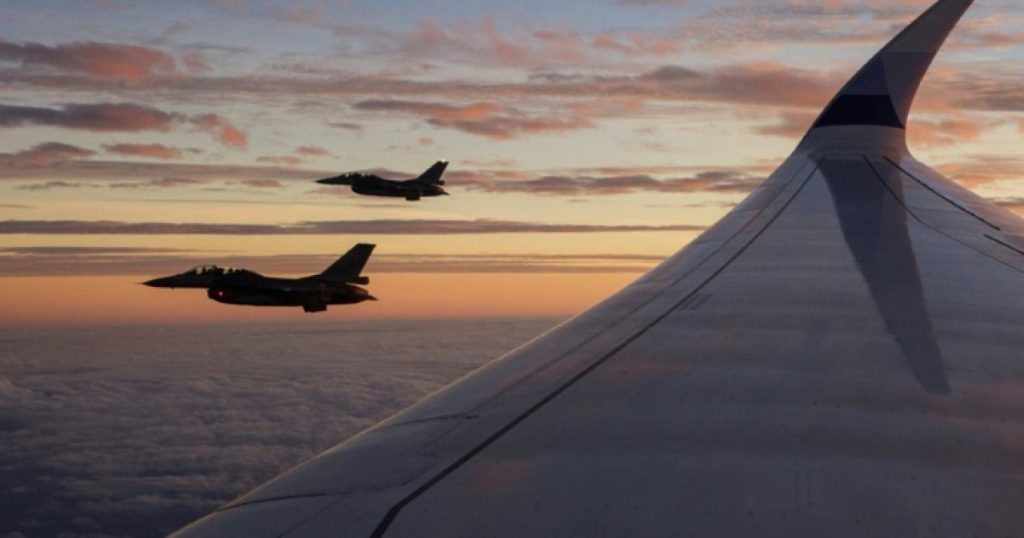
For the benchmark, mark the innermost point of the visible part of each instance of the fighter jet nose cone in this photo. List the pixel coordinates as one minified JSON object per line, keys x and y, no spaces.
{"x":333,"y":180}
{"x":371,"y":298}
{"x":163,"y":282}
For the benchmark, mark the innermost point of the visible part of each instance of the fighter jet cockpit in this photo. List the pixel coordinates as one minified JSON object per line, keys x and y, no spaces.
{"x":201,"y":271}
{"x":211,"y":270}
{"x":205,"y":270}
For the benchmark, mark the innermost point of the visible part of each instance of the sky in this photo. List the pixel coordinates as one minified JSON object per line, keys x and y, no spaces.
{"x":588,"y":139}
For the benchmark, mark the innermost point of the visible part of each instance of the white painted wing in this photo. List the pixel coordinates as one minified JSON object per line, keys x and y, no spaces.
{"x":842,"y":356}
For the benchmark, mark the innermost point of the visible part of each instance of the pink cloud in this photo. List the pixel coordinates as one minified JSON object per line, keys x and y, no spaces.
{"x":980,"y":170}
{"x":634,"y":43}
{"x":44,"y":154}
{"x":195,"y":63}
{"x":116,"y":60}
{"x":221,"y":129}
{"x":280,"y":160}
{"x":125,"y":117}
{"x":120,"y":117}
{"x":790,"y":125}
{"x":482,"y":39}
{"x":724,"y":182}
{"x":302,"y":15}
{"x":153,"y":151}
{"x":485,"y":119}
{"x":943,"y":133}
{"x":262,"y":183}
{"x":311,"y":150}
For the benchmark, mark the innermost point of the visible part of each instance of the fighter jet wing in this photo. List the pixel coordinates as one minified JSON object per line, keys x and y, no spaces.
{"x":842,"y":355}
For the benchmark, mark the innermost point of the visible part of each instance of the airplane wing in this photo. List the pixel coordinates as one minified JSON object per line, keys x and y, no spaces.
{"x":842,"y":355}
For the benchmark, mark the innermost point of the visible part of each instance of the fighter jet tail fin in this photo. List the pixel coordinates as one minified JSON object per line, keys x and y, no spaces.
{"x":349,"y":267}
{"x":434,"y":173}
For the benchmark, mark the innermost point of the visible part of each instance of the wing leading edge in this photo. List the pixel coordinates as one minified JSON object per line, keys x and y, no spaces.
{"x":839,"y":356}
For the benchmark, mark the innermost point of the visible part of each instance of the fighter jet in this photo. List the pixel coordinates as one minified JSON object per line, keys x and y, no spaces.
{"x":313,"y":293}
{"x":427,"y":184}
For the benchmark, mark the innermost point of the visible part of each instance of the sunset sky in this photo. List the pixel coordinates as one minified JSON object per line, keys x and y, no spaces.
{"x":588,"y":140}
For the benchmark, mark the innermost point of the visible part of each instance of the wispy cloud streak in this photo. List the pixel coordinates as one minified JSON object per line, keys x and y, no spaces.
{"x":96,"y":261}
{"x":355,"y":227}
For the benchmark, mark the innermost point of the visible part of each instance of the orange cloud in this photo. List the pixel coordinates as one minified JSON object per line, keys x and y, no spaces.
{"x":942,"y":133}
{"x":484,"y":119}
{"x":311,"y":150}
{"x":438,"y":111}
{"x":1014,"y":204}
{"x":724,"y":182}
{"x":153,"y":151}
{"x":280,"y":160}
{"x":981,"y":170}
{"x":262,"y":183}
{"x":221,"y":129}
{"x":160,"y":183}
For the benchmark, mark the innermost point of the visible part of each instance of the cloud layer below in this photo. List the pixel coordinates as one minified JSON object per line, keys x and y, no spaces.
{"x":136,"y":431}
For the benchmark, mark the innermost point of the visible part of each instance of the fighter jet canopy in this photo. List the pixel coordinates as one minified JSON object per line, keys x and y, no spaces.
{"x":204,"y":270}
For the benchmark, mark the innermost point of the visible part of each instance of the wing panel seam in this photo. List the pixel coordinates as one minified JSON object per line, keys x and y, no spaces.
{"x":931,"y":226}
{"x":647,"y":302}
{"x":949,"y":200}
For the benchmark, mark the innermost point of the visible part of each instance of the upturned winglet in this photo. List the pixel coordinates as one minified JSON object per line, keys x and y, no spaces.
{"x":882,"y":92}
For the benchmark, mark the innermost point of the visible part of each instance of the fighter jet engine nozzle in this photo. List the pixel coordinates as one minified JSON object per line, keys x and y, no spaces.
{"x":361,"y":280}
{"x":363,"y":295}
